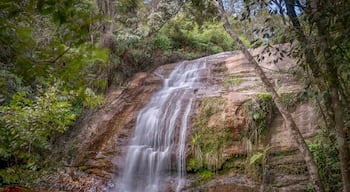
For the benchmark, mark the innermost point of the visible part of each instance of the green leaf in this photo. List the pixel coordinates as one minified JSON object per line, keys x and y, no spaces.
{"x":256,"y":116}
{"x":256,"y":158}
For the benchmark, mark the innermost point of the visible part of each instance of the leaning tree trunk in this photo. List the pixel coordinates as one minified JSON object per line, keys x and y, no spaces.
{"x":302,"y":146}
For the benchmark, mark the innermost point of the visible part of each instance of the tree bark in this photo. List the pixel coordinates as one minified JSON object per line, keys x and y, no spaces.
{"x":341,"y":138}
{"x":333,"y":83}
{"x":302,"y":146}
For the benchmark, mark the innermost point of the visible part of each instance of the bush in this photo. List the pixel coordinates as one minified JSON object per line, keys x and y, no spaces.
{"x":185,"y":34}
{"x":28,"y":125}
{"x":162,"y":42}
{"x":10,"y":83}
{"x":326,"y":155}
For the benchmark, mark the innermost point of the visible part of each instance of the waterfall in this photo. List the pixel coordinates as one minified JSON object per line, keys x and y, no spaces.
{"x":159,"y":141}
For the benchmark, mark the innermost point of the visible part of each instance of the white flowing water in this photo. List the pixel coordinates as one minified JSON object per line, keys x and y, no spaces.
{"x":158,"y":146}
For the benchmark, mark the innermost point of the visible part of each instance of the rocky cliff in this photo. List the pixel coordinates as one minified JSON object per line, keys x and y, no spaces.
{"x":237,"y":141}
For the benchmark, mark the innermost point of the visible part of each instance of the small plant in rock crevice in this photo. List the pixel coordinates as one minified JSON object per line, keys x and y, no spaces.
{"x":257,"y":163}
{"x":259,"y":112}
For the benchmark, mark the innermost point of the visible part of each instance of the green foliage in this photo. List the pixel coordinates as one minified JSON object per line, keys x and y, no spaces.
{"x":259,"y":111}
{"x":9,"y":85}
{"x":237,"y":163}
{"x":208,"y":38}
{"x":19,"y":175}
{"x":162,"y":42}
{"x":205,"y":175}
{"x":291,"y":100}
{"x":208,"y":142}
{"x":27,"y":125}
{"x":9,"y":176}
{"x":47,"y":66}
{"x":257,"y":162}
{"x":46,"y":59}
{"x":256,"y":158}
{"x":253,"y":166}
{"x":126,"y":6}
{"x":245,"y":41}
{"x":91,"y":100}
{"x":193,"y":165}
{"x":48,"y":38}
{"x":202,"y":11}
{"x":326,"y":156}
{"x":80,"y":64}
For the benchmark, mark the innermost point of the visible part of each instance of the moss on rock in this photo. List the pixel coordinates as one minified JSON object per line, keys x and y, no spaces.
{"x":209,"y":135}
{"x":258,"y":113}
{"x":212,"y":138}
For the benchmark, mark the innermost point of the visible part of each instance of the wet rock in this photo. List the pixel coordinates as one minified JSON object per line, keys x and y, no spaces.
{"x":218,"y":120}
{"x":104,"y":133}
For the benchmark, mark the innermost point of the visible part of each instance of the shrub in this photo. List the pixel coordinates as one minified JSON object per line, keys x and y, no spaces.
{"x":28,"y":125}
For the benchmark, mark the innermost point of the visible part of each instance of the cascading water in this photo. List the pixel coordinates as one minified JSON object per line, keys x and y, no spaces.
{"x":160,"y":134}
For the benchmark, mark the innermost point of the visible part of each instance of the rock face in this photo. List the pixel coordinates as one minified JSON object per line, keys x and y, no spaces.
{"x":95,"y":150}
{"x":238,"y":122}
{"x":237,"y":140}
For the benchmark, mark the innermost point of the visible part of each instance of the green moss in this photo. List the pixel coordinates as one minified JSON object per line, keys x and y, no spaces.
{"x":193,"y":165}
{"x":205,"y":174}
{"x":265,"y":96}
{"x":208,"y":142}
{"x":210,"y":136}
{"x":231,"y":80}
{"x":236,"y":164}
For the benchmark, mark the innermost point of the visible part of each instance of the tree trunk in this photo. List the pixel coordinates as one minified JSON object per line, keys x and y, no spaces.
{"x":333,"y":84}
{"x":302,"y":146}
{"x":341,"y":138}
{"x":308,"y":52}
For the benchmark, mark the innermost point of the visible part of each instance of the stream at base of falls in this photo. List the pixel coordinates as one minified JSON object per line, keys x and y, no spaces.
{"x":157,"y":149}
